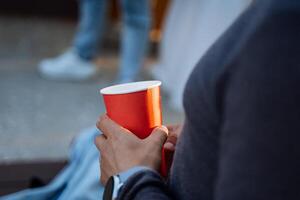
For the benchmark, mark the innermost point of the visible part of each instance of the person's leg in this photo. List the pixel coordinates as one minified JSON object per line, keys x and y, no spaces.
{"x":76,"y":64}
{"x":136,"y":23}
{"x":92,"y":13}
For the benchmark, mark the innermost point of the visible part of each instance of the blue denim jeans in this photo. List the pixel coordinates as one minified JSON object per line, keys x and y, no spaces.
{"x":136,"y":23}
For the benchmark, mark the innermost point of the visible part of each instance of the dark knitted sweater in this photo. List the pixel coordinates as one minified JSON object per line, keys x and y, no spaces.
{"x":241,"y":138}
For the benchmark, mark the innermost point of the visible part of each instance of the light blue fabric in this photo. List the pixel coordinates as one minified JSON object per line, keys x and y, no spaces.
{"x":78,"y":180}
{"x":136,"y":24}
{"x":126,"y":174}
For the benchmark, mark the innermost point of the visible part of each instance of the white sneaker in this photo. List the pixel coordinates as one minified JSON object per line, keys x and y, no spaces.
{"x":68,"y":66}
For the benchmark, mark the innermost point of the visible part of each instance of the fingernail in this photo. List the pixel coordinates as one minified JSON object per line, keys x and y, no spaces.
{"x":169,"y":146}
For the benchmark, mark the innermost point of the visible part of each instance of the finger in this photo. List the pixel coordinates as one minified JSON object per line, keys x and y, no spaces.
{"x":172,"y":138}
{"x":158,"y":136}
{"x":172,"y":127}
{"x":169,"y":146}
{"x":100,"y":141}
{"x":108,"y":127}
{"x":171,"y":142}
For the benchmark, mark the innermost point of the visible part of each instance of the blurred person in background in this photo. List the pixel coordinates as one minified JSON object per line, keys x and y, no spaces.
{"x":191,"y":28}
{"x":77,"y":62}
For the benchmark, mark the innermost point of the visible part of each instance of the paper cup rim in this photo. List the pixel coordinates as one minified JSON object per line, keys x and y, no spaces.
{"x":130,"y":87}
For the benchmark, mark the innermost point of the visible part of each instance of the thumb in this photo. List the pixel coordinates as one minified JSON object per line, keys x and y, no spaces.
{"x":158,"y":136}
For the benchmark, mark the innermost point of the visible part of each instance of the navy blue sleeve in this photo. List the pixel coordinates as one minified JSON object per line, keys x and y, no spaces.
{"x":146,"y":184}
{"x":260,"y":134}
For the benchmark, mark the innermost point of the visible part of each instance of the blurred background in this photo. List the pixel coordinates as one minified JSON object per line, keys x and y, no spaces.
{"x":40,"y":113}
{"x":39,"y":117}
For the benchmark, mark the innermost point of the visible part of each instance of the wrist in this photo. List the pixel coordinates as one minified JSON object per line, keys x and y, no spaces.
{"x":125,"y":175}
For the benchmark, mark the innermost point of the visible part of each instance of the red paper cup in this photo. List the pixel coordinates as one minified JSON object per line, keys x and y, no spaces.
{"x":137,"y":107}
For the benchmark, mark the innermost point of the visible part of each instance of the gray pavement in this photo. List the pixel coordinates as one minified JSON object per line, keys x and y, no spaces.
{"x":39,"y":118}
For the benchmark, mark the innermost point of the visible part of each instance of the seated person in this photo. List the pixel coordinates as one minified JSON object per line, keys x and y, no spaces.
{"x":240,"y":138}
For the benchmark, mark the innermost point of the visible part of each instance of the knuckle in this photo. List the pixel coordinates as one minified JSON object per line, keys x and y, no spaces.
{"x":98,"y":125}
{"x":161,"y":129}
{"x":162,"y":132}
{"x":96,"y":142}
{"x":101,"y":121}
{"x":103,"y":118}
{"x":100,"y":142}
{"x":159,"y":135}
